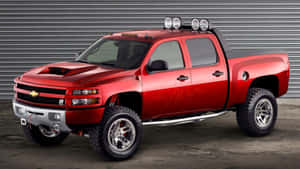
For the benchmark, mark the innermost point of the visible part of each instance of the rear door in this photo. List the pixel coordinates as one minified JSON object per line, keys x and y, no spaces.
{"x":163,"y":90}
{"x":208,"y":90}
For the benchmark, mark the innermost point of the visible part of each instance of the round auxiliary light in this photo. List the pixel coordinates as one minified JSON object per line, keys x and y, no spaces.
{"x":177,"y":23}
{"x":168,"y":22}
{"x":204,"y":24}
{"x":195,"y":24}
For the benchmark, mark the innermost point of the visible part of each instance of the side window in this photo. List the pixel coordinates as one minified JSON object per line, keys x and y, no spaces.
{"x":169,"y":52}
{"x":202,"y":51}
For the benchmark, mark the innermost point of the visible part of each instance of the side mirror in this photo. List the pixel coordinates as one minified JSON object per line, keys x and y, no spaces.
{"x":158,"y":65}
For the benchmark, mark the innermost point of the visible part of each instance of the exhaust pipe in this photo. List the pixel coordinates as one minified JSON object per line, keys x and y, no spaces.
{"x":183,"y":120}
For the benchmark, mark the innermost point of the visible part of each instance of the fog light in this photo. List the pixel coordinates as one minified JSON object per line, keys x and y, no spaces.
{"x":57,"y":116}
{"x":20,"y":110}
{"x":54,"y":116}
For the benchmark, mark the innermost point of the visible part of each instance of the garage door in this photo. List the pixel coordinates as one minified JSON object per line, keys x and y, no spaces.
{"x":37,"y":32}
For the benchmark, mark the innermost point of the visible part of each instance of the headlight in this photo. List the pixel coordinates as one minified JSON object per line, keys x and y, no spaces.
{"x":85,"y":92}
{"x":84,"y":101}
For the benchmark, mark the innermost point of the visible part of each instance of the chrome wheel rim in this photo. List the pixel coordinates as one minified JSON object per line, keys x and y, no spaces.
{"x":121,"y":134}
{"x":48,"y":132}
{"x":263,"y":113}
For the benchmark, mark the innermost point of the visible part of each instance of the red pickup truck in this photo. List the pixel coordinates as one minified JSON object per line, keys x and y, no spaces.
{"x":169,"y":76}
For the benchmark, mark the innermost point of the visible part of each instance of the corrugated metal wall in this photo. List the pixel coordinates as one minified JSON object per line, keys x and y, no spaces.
{"x":37,"y":32}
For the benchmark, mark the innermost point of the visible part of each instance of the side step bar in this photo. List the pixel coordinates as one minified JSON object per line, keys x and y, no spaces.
{"x":183,"y":120}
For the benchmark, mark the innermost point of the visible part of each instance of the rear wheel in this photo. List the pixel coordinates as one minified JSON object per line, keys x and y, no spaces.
{"x":118,"y":135}
{"x":257,"y":116}
{"x":43,"y":135}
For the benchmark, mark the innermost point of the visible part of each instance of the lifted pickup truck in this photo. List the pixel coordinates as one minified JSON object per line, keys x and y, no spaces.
{"x":168,"y":76}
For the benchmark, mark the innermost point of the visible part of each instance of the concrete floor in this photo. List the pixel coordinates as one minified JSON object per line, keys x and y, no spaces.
{"x":215,"y":143}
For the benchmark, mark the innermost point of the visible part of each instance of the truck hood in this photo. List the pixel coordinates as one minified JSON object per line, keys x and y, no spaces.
{"x":71,"y":74}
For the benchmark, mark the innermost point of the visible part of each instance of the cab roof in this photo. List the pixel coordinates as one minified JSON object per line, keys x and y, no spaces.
{"x":152,"y":34}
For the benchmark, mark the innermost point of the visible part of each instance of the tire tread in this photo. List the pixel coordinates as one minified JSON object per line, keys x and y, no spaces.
{"x":97,"y":133}
{"x":245,"y":117}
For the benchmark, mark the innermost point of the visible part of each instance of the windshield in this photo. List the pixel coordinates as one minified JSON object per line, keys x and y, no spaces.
{"x":126,"y":54}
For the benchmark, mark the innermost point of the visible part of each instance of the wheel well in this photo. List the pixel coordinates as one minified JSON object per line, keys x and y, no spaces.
{"x":267,"y":82}
{"x":132,"y":100}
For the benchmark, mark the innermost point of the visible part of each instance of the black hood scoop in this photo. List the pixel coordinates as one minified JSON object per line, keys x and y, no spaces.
{"x":55,"y":70}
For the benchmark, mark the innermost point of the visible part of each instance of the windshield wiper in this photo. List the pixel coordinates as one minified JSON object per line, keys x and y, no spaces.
{"x":82,"y":61}
{"x":107,"y":64}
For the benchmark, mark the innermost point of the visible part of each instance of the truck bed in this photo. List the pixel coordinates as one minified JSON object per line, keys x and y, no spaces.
{"x":257,"y":65}
{"x":237,"y":53}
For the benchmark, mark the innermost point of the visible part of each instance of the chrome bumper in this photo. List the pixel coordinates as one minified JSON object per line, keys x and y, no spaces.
{"x":40,"y":116}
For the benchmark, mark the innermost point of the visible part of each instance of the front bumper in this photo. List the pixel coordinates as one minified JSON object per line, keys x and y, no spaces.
{"x":41,"y":116}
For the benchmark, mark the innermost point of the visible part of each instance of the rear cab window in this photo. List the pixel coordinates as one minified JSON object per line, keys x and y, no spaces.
{"x":202,"y":51}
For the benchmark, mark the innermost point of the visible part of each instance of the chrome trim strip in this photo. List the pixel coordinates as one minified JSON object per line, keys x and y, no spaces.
{"x":183,"y":120}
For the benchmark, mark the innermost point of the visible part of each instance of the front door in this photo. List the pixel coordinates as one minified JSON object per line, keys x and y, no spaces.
{"x":163,"y":90}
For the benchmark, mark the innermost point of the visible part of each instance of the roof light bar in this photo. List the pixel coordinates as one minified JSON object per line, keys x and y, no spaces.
{"x":202,"y":24}
{"x":177,"y":23}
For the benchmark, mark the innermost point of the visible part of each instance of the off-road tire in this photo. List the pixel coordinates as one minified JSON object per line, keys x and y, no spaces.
{"x":99,"y":134}
{"x":33,"y":134}
{"x":246,"y":112}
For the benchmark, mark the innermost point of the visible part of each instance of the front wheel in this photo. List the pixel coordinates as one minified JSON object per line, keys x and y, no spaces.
{"x":119,"y":133}
{"x":257,"y":116}
{"x":43,"y":135}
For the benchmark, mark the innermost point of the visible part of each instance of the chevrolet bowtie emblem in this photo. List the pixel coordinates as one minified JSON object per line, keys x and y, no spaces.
{"x":34,"y":93}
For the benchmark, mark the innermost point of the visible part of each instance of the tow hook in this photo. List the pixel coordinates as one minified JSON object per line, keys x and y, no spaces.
{"x":56,"y":128}
{"x":81,"y":133}
{"x":23,"y":122}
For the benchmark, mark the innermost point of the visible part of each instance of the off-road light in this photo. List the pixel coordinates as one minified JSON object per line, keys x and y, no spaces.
{"x":177,"y":22}
{"x":168,"y":23}
{"x":204,"y":24}
{"x":195,"y":24}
